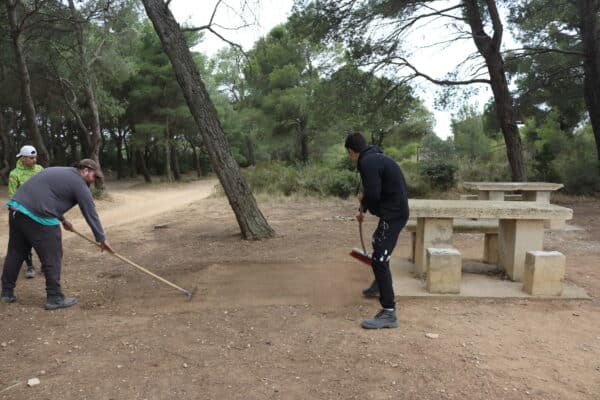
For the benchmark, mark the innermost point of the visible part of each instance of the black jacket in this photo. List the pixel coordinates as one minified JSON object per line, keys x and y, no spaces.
{"x":384,"y":188}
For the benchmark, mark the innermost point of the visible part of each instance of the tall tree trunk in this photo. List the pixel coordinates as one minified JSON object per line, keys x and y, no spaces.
{"x":118,"y":138}
{"x":590,"y":37}
{"x":25,"y":82}
{"x":168,"y":170}
{"x":196,"y":162}
{"x":175,"y":163}
{"x":250,"y":150}
{"x":88,"y":90}
{"x":252,"y":223}
{"x":489,"y":48}
{"x":139,"y":156}
{"x":73,"y":143}
{"x":5,"y":143}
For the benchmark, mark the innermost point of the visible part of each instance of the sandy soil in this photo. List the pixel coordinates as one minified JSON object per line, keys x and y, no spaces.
{"x":279,"y":319}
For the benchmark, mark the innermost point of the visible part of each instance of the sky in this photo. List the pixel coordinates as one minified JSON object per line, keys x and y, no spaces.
{"x":265,"y":14}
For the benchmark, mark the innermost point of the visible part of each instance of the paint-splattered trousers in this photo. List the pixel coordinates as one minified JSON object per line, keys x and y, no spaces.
{"x":384,"y":241}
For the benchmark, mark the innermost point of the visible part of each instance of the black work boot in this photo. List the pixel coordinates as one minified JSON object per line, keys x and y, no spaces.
{"x":56,"y":302}
{"x":383,"y":319}
{"x":7,"y":298}
{"x":371,"y":291}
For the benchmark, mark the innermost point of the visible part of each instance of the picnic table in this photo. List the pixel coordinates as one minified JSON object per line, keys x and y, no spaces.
{"x":520,"y":227}
{"x":532,"y":191}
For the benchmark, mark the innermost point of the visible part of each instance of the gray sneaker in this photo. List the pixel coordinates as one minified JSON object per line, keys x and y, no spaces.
{"x":30,"y":272}
{"x":55,"y":303}
{"x":7,"y":298}
{"x":371,"y":291}
{"x":383,"y":319}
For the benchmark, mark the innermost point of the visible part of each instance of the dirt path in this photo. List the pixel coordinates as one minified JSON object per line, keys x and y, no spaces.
{"x":279,"y":319}
{"x":128,"y":204}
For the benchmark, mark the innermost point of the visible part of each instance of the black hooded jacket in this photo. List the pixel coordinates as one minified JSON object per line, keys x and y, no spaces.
{"x":384,"y":188}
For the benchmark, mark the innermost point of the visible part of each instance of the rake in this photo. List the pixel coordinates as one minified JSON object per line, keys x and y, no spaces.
{"x":188,"y":293}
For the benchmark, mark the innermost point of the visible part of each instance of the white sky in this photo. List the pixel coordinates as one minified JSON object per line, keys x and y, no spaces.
{"x":431,"y":60}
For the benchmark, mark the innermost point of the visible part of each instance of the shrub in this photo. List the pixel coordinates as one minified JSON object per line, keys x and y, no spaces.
{"x":309,"y":180}
{"x":577,"y":166}
{"x":437,"y":163}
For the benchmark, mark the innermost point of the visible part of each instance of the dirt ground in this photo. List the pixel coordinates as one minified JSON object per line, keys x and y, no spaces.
{"x":280,"y":319}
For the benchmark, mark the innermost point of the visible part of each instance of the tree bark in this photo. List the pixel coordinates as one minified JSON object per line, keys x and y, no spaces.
{"x":88,"y":90}
{"x":142,"y":164}
{"x":5,"y":143}
{"x":33,"y":131}
{"x":168,"y":170}
{"x":175,"y":163}
{"x":590,"y":38}
{"x":489,"y":48}
{"x":250,"y":150}
{"x":252,"y":223}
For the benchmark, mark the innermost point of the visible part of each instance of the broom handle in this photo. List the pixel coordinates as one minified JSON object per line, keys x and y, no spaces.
{"x":362,"y":242}
{"x":128,"y":261}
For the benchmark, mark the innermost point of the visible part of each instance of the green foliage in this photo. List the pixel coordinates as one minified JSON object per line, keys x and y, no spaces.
{"x":316,"y":180}
{"x":406,"y":152}
{"x":577,"y":166}
{"x":545,"y":141}
{"x":437,"y":162}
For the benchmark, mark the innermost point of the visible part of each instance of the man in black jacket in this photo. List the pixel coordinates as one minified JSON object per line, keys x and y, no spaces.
{"x":385,"y":196}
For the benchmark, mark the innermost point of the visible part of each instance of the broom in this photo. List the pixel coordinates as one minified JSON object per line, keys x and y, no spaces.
{"x":361,"y":255}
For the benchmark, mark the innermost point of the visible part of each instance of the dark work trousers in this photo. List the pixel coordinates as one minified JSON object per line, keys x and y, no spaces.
{"x":384,"y":241}
{"x":28,"y":257}
{"x":25,"y":233}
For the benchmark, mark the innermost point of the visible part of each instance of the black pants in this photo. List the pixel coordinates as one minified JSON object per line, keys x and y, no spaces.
{"x":25,"y":233}
{"x":384,"y":241}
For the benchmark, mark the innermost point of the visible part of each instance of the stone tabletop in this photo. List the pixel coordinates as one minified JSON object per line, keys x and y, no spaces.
{"x":509,"y":186}
{"x":420,"y":208}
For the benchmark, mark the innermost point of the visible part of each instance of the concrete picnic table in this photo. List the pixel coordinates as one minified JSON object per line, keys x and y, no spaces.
{"x":520,"y":229}
{"x":532,"y":191}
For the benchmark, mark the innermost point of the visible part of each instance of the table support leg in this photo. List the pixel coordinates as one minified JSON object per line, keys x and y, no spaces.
{"x":431,"y":232}
{"x":515,"y":238}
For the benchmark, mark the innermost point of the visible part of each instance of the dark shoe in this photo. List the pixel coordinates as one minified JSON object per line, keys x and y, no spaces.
{"x":383,"y":319}
{"x":55,"y":303}
{"x":371,"y":291}
{"x":30,"y":272}
{"x":7,"y":298}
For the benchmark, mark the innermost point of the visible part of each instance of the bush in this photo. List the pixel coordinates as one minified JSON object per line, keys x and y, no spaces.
{"x":308,"y":180}
{"x":440,"y":175}
{"x":577,"y":166}
{"x":437,"y":163}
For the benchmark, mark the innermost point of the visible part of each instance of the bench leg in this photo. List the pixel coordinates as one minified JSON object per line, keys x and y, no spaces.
{"x":431,"y":232}
{"x":515,"y":239}
{"x":413,"y":243}
{"x":540,"y":196}
{"x":491,"y":195}
{"x":490,"y":248}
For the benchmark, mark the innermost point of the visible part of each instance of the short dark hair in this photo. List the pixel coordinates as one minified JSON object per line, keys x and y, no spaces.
{"x":356,"y":142}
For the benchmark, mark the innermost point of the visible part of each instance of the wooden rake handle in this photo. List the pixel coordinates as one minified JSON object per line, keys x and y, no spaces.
{"x":144,"y":270}
{"x":360,"y":232}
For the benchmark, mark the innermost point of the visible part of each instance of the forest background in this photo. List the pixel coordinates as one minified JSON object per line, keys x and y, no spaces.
{"x":90,"y":79}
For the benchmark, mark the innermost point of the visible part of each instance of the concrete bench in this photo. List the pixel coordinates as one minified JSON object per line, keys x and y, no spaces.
{"x":520,"y":227}
{"x":443,"y":270}
{"x":488,"y":227}
{"x":544,"y":273}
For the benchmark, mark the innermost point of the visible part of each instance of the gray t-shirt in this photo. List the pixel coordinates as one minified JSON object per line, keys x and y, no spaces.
{"x":54,"y":191}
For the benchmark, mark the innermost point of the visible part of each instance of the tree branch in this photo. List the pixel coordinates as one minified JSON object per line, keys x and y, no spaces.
{"x":496,"y":23}
{"x":443,"y":82}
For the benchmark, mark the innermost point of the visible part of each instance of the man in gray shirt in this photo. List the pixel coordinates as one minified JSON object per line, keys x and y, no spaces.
{"x":36,"y":212}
